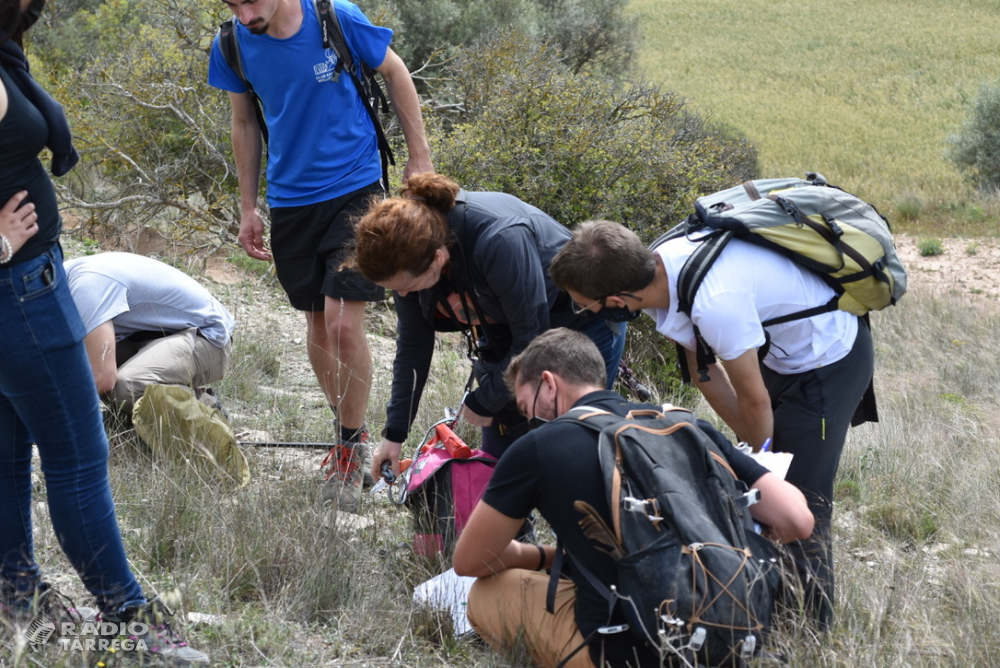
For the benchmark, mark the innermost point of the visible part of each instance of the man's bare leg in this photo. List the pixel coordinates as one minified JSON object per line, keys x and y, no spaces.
{"x":340,"y":357}
{"x":338,"y":351}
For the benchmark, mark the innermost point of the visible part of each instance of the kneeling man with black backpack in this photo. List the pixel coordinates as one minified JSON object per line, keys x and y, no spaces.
{"x":654,"y":511}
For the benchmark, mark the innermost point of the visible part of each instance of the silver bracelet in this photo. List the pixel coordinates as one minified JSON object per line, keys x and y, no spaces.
{"x":6,"y":250}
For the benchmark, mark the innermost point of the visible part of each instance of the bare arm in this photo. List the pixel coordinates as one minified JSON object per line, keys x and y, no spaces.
{"x":783,"y":508}
{"x":487,"y":545}
{"x":403,"y":95}
{"x":736,"y":392}
{"x":100,"y":344}
{"x":248,"y":146}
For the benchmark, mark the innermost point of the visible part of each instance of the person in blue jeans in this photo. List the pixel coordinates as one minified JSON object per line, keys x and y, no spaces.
{"x":475,"y":261}
{"x":47,"y":393}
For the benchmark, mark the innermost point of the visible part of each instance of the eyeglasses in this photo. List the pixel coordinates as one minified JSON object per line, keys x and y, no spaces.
{"x":577,"y":309}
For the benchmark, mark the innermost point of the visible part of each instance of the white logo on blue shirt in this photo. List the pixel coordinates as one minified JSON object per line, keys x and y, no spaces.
{"x":327,"y":70}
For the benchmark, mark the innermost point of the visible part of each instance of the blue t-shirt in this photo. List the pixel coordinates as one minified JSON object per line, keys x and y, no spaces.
{"x":322,"y":143}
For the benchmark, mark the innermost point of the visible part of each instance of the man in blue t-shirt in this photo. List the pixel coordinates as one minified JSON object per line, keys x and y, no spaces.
{"x":323,"y":167}
{"x":551,"y":469}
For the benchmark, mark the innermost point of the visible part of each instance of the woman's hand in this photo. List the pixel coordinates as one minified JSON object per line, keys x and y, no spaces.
{"x":387,"y":451}
{"x":18,"y":221}
{"x":476,"y":419}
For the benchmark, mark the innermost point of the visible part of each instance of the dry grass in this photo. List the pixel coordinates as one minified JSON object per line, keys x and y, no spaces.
{"x":288,"y":585}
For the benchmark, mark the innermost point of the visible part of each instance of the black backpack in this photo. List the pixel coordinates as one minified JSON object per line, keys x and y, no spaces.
{"x":696,"y":583}
{"x":368,"y":87}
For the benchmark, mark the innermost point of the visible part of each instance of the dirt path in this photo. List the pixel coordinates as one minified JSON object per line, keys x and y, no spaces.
{"x":967,"y":266}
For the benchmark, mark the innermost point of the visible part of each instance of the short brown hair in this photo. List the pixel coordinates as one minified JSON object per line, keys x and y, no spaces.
{"x":603,"y":258}
{"x":565,"y":352}
{"x":403,"y":233}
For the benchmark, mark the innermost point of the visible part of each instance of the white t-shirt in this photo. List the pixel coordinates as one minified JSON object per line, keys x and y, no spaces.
{"x":746,"y":286}
{"x":140,"y":294}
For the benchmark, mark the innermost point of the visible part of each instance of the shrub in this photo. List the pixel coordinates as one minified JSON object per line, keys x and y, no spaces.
{"x":598,"y":35}
{"x":910,"y":207}
{"x":153,"y":138}
{"x":975,"y":148}
{"x":930,"y":247}
{"x":578,"y":147}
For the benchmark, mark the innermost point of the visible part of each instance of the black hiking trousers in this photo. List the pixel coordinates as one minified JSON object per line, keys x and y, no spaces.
{"x":812,"y":412}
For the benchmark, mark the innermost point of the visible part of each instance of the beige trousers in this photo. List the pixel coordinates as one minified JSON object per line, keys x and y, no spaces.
{"x":184,"y":358}
{"x":511,"y":605}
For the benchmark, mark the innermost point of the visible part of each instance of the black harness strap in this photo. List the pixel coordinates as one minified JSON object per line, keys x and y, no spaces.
{"x":369,"y":91}
{"x":550,"y":596}
{"x":231,"y":52}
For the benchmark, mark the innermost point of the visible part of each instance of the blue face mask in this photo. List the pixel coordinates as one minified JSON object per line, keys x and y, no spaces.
{"x":618,"y":314}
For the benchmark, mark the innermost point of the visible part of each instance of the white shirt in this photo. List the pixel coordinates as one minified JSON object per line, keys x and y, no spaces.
{"x":746,"y":286}
{"x":140,"y":294}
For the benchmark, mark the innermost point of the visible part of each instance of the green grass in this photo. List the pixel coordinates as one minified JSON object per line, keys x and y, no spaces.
{"x":864,"y":92}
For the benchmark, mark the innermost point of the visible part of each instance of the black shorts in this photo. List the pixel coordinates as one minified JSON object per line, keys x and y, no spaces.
{"x":309,"y":243}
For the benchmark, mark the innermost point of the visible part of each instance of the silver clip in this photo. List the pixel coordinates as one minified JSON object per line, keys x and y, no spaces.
{"x":698,"y":638}
{"x":634,"y":505}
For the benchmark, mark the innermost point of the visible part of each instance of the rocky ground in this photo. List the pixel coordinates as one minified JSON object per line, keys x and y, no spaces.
{"x":967,"y":266}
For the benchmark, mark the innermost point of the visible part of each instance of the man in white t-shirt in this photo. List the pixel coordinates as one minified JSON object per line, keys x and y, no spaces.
{"x":147,"y":322}
{"x":799,"y":385}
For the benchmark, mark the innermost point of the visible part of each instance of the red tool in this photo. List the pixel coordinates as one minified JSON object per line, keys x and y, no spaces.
{"x":444,"y":436}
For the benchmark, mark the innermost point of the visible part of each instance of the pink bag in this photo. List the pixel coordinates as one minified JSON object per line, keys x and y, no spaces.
{"x":441,"y":492}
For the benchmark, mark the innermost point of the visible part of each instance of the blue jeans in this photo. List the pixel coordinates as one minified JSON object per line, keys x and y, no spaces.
{"x":48,"y":397}
{"x":610,"y":343}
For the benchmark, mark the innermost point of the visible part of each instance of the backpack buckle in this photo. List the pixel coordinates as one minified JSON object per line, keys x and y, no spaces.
{"x":634,"y":505}
{"x":698,"y":639}
{"x":609,"y":630}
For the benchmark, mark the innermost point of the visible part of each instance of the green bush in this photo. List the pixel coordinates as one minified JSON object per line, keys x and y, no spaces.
{"x":598,"y":35}
{"x":930,"y":247}
{"x":579,"y":148}
{"x":910,"y":207}
{"x":153,"y":138}
{"x":975,"y":148}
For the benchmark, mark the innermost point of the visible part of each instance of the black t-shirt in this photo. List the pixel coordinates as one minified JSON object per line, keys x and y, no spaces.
{"x":552,"y":467}
{"x":23,"y":133}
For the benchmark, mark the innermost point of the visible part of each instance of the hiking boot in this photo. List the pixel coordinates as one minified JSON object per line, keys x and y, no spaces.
{"x":207,"y":396}
{"x":147,"y":634}
{"x":342,"y":488}
{"x":361,"y":438}
{"x":366,"y":468}
{"x":43,"y":616}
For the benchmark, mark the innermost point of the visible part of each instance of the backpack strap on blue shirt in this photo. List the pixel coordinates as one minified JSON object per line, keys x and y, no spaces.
{"x":369,"y":90}
{"x":231,"y":53}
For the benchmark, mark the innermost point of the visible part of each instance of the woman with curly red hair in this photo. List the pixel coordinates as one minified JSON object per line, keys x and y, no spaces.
{"x":475,"y":261}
